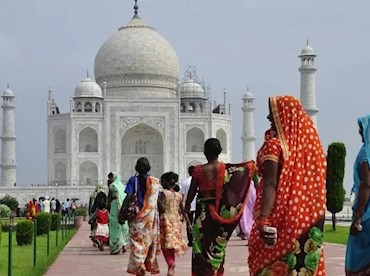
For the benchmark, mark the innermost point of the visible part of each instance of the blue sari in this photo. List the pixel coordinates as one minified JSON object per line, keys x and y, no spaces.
{"x":358,"y":246}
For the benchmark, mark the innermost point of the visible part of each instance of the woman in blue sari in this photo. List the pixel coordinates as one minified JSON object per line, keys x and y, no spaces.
{"x":358,"y":246}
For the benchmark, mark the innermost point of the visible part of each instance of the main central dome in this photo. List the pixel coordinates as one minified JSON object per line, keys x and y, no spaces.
{"x":137,"y":56}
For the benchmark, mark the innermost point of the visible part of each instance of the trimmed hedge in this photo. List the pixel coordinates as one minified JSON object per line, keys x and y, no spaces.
{"x":80,"y":212}
{"x":24,"y":232}
{"x":5,"y":227}
{"x":55,"y":221}
{"x":5,"y":211}
{"x":43,"y":223}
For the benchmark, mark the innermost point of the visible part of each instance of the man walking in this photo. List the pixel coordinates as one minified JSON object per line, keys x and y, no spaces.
{"x":185,"y":185}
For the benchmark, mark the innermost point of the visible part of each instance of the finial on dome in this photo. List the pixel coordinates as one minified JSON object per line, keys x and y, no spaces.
{"x":136,"y":8}
{"x":247,"y":88}
{"x":7,"y":86}
{"x":307,"y":42}
{"x":87,"y":73}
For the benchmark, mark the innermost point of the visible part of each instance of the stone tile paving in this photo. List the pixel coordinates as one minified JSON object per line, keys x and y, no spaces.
{"x":79,"y":257}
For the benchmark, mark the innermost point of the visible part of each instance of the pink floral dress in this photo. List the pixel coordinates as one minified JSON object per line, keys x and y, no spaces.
{"x":170,"y":223}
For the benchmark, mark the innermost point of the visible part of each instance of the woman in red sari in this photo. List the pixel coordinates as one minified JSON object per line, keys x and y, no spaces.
{"x":290,"y":196}
{"x":222,"y":193}
{"x":31,"y":209}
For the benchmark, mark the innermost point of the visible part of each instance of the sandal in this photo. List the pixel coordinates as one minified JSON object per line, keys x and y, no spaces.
{"x":141,"y":271}
{"x":171,"y":270}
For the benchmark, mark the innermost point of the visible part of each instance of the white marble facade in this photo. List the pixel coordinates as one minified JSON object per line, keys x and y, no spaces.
{"x":137,"y":107}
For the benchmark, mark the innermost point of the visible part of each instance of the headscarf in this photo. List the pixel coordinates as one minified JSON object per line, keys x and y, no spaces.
{"x":99,"y":188}
{"x":118,"y":185}
{"x":365,"y":122}
{"x":301,"y":193}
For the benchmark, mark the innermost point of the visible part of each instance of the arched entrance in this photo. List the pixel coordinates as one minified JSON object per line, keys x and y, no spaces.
{"x":88,"y":173}
{"x":141,"y":141}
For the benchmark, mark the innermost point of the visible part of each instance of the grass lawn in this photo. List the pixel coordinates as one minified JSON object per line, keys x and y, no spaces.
{"x":338,"y":236}
{"x":23,"y":255}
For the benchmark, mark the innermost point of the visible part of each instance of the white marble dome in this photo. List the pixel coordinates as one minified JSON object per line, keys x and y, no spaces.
{"x":88,"y":88}
{"x":248,"y":94}
{"x":307,"y":51}
{"x":8,"y":93}
{"x":190,"y":89}
{"x":137,"y":56}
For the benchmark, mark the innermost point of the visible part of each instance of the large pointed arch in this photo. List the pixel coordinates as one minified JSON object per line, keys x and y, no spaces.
{"x":88,"y":173}
{"x":141,"y":140}
{"x":194,"y":140}
{"x":88,"y":140}
{"x":221,"y":136}
{"x":60,"y":173}
{"x":60,"y":142}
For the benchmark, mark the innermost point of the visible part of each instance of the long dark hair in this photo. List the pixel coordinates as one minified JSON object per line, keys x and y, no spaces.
{"x":142,"y":168}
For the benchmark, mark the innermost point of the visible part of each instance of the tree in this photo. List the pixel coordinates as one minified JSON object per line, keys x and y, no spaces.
{"x":334,"y":179}
{"x":10,"y":201}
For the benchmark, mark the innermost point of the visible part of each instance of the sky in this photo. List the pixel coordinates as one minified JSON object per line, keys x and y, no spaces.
{"x":233,"y":44}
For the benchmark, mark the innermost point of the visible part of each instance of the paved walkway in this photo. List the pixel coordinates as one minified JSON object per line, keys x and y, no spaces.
{"x":79,"y":257}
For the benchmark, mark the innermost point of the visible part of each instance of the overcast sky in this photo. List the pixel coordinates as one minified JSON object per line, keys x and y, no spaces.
{"x":233,"y":44}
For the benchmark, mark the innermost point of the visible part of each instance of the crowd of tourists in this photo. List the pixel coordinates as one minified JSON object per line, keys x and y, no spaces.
{"x":281,"y":214}
{"x":50,"y":205}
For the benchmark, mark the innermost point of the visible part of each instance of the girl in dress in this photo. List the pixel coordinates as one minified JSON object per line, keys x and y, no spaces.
{"x":102,"y":228}
{"x":170,"y":209}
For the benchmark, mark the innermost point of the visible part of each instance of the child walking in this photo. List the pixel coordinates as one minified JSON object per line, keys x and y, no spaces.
{"x":102,"y":228}
{"x":171,"y":209}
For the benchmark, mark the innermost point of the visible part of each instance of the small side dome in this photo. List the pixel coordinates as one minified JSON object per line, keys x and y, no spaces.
{"x":88,"y":88}
{"x":307,"y":51}
{"x":191,"y":89}
{"x":248,"y":94}
{"x":8,"y":93}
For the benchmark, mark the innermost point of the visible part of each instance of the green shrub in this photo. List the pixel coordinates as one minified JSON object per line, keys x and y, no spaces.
{"x":43,"y":223}
{"x":10,"y":201}
{"x":80,"y":212}
{"x":5,"y":227}
{"x":5,"y":211}
{"x":55,"y":221}
{"x":24,"y":232}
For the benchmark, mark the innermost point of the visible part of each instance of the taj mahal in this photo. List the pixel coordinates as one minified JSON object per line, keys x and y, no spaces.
{"x":135,"y":104}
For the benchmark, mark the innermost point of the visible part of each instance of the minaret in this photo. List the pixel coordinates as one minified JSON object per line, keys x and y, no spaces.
{"x":225,"y":106}
{"x":308,"y":86}
{"x":248,"y":137}
{"x":8,"y":164}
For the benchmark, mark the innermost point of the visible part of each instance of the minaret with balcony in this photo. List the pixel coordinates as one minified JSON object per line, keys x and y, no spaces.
{"x":248,"y":136}
{"x":8,"y":138}
{"x":308,"y":84}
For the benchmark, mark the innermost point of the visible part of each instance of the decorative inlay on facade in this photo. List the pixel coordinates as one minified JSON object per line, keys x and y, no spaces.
{"x":141,"y":80}
{"x":93,"y":160}
{"x":126,"y":122}
{"x":189,"y":127}
{"x":82,"y":126}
